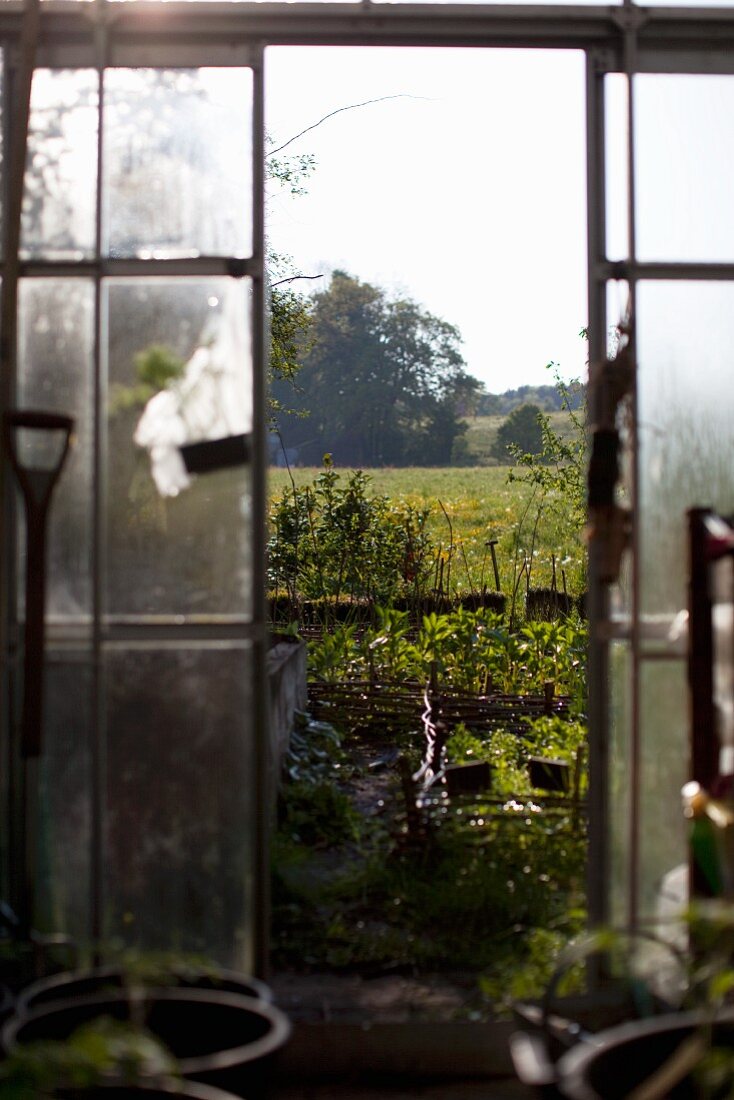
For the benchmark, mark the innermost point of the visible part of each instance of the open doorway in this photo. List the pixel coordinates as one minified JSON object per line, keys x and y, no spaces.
{"x":426,"y":213}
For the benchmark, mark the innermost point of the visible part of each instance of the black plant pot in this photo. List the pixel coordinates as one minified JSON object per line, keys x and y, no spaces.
{"x":185,"y":1090}
{"x":219,"y":1039}
{"x":7,"y":1003}
{"x":85,"y":983}
{"x":618,"y":1060}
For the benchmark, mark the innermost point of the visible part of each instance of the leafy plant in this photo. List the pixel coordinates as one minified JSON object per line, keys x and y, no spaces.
{"x":558,"y":468}
{"x":554,"y":651}
{"x":319,"y":814}
{"x":104,"y":1050}
{"x":313,"y":809}
{"x":332,"y":540}
{"x":469,"y":650}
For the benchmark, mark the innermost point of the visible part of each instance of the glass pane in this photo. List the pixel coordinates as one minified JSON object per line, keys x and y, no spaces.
{"x":684,"y":148}
{"x":686,"y":430}
{"x":686,"y":438}
{"x":178,"y":173}
{"x":180,"y":818}
{"x":59,"y":203}
{"x":619,"y":787}
{"x":663,"y":771}
{"x":65,"y":795}
{"x":180,"y":371}
{"x":617,"y":180}
{"x":584,"y":3}
{"x":55,"y":352}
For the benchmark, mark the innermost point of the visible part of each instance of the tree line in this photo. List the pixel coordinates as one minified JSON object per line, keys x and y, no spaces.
{"x":380,"y":381}
{"x":545,"y":398}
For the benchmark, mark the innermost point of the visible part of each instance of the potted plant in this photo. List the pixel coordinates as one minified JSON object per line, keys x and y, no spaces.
{"x":103,"y":1060}
{"x":673,"y":1035}
{"x":218,"y":1038}
{"x":146,"y":970}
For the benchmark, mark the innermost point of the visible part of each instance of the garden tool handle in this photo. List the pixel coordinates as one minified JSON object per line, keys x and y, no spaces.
{"x":37,"y":485}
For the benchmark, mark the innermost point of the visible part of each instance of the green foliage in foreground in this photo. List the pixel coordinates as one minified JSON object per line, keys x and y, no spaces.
{"x":104,"y":1051}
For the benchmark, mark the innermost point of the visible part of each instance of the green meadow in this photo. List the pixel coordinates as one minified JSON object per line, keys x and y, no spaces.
{"x":470,"y":507}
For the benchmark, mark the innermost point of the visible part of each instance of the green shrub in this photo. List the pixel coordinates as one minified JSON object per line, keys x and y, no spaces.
{"x":333,"y":540}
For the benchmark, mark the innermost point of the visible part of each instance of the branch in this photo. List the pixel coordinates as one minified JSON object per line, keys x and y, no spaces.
{"x":292,"y":278}
{"x":350,"y":107}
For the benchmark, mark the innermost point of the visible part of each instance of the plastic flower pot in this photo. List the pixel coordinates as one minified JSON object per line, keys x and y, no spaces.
{"x":619,"y":1060}
{"x":220,"y":1039}
{"x":84,"y":983}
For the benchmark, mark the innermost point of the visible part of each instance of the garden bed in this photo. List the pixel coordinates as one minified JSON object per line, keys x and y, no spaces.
{"x":418,"y":902}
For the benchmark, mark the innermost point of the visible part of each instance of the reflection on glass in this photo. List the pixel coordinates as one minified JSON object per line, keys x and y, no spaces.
{"x":684,"y":149}
{"x":180,"y":372}
{"x":180,"y":775}
{"x":55,"y":353}
{"x":686,"y":431}
{"x":178,"y":177}
{"x":59,"y":200}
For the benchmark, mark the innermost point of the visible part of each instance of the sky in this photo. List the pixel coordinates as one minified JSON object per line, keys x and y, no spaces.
{"x":466,"y":191}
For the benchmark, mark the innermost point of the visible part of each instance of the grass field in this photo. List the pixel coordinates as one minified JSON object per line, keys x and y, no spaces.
{"x":481,"y":505}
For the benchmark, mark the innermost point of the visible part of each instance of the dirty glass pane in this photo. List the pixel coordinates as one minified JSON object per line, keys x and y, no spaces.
{"x":65,"y":796}
{"x":686,"y":439}
{"x":616,"y":165}
{"x":180,"y":773}
{"x":180,"y":372}
{"x":663,"y":771}
{"x":619,"y":788}
{"x":59,"y":202}
{"x":55,"y":354}
{"x":686,"y":431}
{"x":178,"y":150}
{"x":684,"y":149}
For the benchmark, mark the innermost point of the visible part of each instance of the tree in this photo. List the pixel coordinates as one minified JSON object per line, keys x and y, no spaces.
{"x":383,"y":382}
{"x":290,"y":309}
{"x":521,"y":430}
